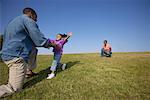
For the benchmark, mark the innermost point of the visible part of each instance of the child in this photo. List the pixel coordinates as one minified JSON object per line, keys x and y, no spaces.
{"x":106,"y":50}
{"x":61,"y":39}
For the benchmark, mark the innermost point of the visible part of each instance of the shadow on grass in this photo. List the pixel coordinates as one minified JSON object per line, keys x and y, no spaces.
{"x":43,"y":74}
{"x":69,"y":65}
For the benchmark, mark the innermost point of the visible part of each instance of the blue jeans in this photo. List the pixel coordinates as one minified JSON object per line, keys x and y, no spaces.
{"x":105,"y":53}
{"x":56,"y":62}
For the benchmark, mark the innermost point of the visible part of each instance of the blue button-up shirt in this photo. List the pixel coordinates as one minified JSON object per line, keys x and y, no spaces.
{"x":21,"y":34}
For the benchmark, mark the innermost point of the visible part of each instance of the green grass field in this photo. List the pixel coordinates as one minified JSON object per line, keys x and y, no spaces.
{"x":125,"y":76}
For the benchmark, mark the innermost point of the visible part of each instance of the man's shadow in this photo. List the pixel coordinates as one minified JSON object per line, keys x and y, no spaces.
{"x":43,"y":74}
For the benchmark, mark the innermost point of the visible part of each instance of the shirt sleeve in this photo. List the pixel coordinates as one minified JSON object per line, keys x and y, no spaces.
{"x":33,"y":31}
{"x":110,"y":48}
{"x":63,"y":42}
{"x":1,"y":41}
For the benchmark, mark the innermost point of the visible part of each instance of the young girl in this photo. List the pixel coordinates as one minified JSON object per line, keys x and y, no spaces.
{"x":61,"y":39}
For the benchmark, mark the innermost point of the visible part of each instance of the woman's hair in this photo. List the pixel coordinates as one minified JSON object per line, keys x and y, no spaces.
{"x":105,"y":41}
{"x":63,"y":35}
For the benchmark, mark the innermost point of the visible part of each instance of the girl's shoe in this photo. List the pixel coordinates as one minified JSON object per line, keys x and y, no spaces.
{"x":64,"y":66}
{"x":50,"y":76}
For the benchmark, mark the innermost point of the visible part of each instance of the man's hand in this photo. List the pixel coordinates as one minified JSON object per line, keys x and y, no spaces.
{"x":49,"y":43}
{"x":52,"y":43}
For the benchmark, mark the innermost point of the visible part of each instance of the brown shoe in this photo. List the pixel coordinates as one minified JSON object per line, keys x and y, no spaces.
{"x":30,"y":74}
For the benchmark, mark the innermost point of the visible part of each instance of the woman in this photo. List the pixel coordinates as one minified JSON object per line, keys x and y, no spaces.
{"x":106,"y":50}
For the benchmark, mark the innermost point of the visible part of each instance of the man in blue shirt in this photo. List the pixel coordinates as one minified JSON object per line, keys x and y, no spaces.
{"x":20,"y":37}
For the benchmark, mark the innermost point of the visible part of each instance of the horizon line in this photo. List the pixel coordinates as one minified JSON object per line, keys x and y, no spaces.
{"x":97,"y":52}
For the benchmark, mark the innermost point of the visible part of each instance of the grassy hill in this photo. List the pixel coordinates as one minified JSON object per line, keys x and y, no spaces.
{"x":125,"y":76}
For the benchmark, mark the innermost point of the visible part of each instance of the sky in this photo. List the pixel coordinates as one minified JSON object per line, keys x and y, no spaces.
{"x":124,"y":23}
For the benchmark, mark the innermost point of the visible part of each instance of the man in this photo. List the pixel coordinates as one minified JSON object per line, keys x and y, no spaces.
{"x":20,"y":37}
{"x":106,"y":50}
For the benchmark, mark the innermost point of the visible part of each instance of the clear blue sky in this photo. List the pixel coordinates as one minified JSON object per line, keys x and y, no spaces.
{"x":124,"y":23}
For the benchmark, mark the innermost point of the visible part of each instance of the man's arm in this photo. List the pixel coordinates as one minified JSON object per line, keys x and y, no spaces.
{"x":33,"y":31}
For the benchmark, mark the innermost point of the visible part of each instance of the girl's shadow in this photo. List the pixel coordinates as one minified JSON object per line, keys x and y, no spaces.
{"x":43,"y":74}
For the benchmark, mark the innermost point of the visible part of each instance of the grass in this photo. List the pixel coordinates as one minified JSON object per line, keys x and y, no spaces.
{"x":125,"y":76}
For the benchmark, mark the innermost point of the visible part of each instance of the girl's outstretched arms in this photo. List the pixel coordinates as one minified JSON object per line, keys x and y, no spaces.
{"x":69,"y":34}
